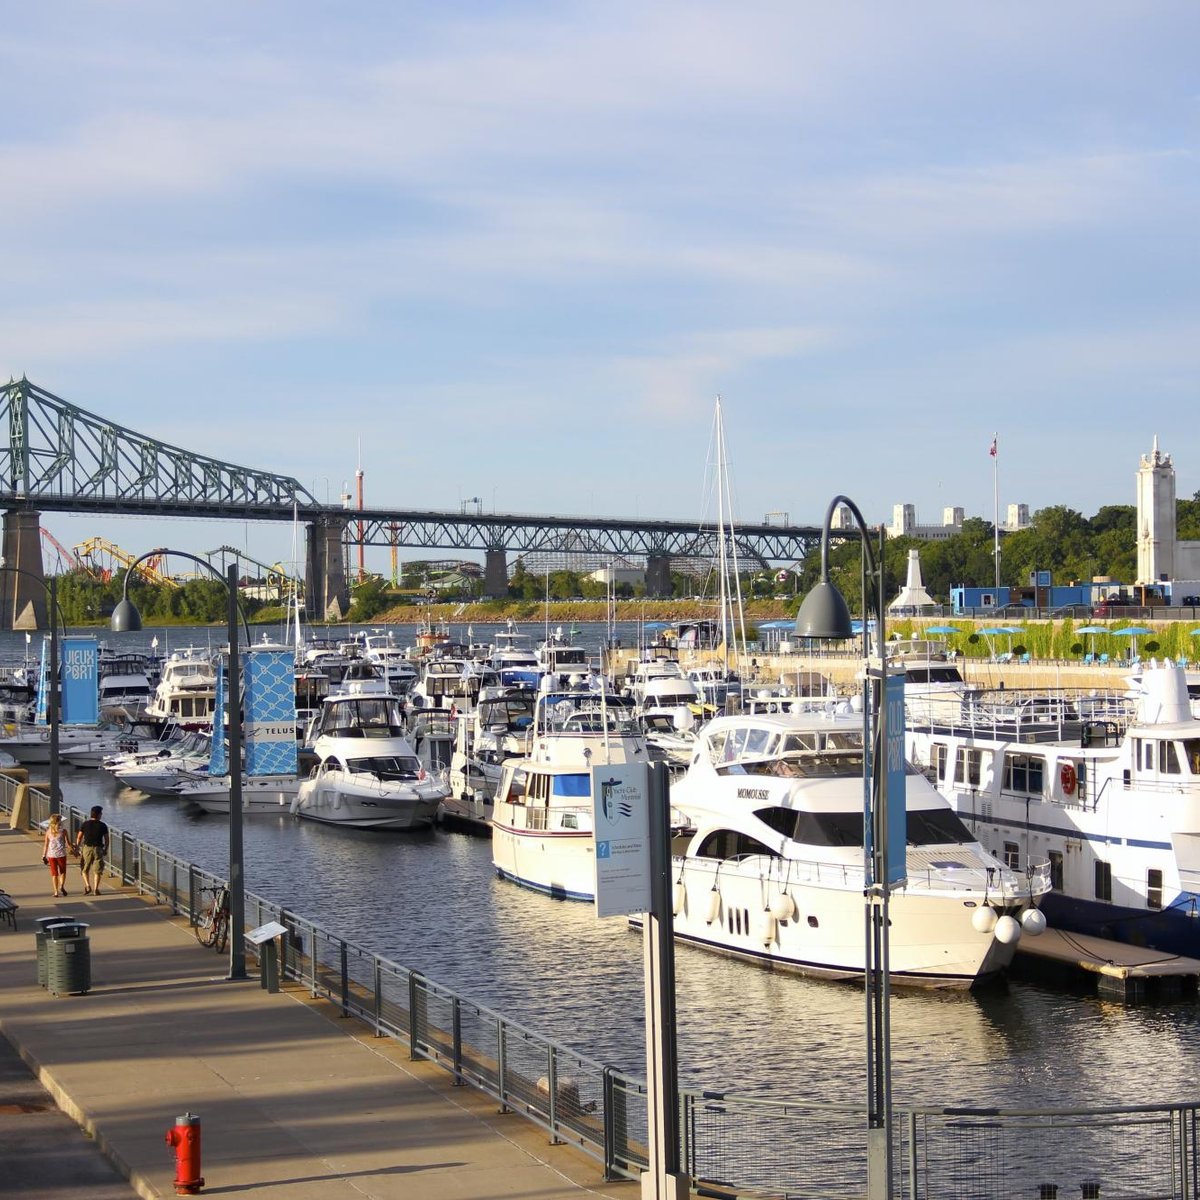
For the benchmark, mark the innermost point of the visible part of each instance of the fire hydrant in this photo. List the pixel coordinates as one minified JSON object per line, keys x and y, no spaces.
{"x":185,"y":1138}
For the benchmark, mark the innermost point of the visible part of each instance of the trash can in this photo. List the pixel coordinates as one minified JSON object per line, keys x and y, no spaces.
{"x":68,"y":959}
{"x":42,"y":936}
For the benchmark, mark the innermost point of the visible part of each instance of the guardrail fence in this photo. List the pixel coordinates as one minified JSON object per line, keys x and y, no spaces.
{"x":734,"y":1146}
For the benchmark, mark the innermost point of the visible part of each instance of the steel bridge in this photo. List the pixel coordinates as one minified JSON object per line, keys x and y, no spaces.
{"x":60,"y":457}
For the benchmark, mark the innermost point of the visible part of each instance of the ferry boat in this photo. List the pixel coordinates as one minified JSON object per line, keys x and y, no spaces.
{"x":1104,"y":788}
{"x":772,"y":870}
{"x":542,"y":831}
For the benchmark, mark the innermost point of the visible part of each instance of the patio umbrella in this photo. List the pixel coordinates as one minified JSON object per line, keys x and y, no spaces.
{"x":997,"y":631}
{"x":1090,"y":630}
{"x":1133,"y":632}
{"x":942,"y":629}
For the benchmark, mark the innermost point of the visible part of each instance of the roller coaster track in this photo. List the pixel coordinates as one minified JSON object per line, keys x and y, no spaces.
{"x":98,"y":554}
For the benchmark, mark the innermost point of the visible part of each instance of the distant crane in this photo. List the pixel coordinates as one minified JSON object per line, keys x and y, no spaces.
{"x":99,"y":555}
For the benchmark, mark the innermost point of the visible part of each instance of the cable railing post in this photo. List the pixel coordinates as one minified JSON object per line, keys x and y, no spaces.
{"x":456,"y":1022}
{"x":501,"y":1064}
{"x":412,"y":1014}
{"x":912,"y":1155}
{"x":378,"y":974}
{"x":191,"y":905}
{"x":345,"y":980}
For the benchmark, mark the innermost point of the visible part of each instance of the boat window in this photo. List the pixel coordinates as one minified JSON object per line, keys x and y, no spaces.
{"x":570,"y":820}
{"x":1191,"y":754}
{"x":733,"y":744}
{"x":938,"y":756}
{"x":843,"y":740}
{"x":1104,"y":881}
{"x":731,"y":843}
{"x":1024,"y":773}
{"x":827,"y":764}
{"x":936,"y":827}
{"x":1012,"y":856}
{"x":829,"y":829}
{"x":967,"y":764}
{"x":1154,"y":888}
{"x":1168,"y":760}
{"x":757,"y":740}
{"x":571,"y":785}
{"x":799,"y":741}
{"x":1056,"y":870}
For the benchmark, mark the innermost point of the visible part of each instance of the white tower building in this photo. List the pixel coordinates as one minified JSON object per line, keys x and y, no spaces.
{"x":1155,"y":517}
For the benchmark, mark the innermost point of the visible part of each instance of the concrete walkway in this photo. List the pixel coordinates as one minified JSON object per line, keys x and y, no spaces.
{"x":294,"y":1101}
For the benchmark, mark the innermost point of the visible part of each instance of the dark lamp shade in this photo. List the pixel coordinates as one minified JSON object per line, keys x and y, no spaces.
{"x":824,"y":615}
{"x":125,"y":617}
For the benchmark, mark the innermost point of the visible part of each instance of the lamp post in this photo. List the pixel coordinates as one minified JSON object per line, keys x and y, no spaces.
{"x":126,"y":618}
{"x":823,"y":614}
{"x":53,"y":687}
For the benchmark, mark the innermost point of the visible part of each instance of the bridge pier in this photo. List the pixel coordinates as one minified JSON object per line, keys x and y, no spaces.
{"x":658,"y":576}
{"x":327,"y":595}
{"x":23,"y":598}
{"x":495,"y":574}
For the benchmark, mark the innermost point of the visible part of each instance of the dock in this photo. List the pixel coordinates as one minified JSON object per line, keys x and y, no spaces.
{"x":294,"y":1100}
{"x":1115,"y":970}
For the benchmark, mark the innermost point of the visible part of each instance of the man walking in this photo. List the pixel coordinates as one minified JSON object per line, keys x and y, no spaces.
{"x":92,"y":841}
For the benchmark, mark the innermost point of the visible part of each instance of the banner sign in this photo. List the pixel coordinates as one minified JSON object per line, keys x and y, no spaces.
{"x":269,"y":725}
{"x":80,"y":673}
{"x":891,"y":789}
{"x":218,"y":758}
{"x":621,"y":820}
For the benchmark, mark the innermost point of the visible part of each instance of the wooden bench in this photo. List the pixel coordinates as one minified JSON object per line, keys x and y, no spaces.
{"x":8,"y":909}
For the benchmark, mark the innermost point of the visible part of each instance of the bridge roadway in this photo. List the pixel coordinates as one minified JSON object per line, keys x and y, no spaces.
{"x":60,"y":457}
{"x":293,"y":1102}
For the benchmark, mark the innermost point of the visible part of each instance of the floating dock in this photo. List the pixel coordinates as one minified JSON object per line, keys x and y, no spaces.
{"x":1116,"y":970}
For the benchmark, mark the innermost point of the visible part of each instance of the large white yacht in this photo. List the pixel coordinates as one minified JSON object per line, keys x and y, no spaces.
{"x":542,"y":830}
{"x":1106,"y":788}
{"x":187,"y":689}
{"x":367,"y":775}
{"x":773,"y":870}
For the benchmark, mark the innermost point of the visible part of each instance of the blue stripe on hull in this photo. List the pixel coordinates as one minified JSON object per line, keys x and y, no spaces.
{"x":1174,"y":930}
{"x":555,"y":893}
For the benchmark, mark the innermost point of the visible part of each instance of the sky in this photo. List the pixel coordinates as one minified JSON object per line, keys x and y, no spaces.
{"x":515,"y":251}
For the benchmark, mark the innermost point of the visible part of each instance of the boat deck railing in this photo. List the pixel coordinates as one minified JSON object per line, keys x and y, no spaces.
{"x":1028,"y":715}
{"x":781,"y":1148}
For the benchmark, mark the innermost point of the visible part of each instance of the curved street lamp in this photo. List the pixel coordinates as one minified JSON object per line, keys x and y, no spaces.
{"x":127,"y":619}
{"x":53,"y":683}
{"x":825,"y":615}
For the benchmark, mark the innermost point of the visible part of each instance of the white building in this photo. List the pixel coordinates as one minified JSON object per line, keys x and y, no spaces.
{"x":1161,"y":557}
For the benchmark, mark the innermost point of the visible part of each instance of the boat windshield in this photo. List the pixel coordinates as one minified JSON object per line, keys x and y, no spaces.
{"x":387,"y":766}
{"x":928,"y":827}
{"x":507,"y":712}
{"x":584,"y":713}
{"x":803,"y":765}
{"x":362,"y":716}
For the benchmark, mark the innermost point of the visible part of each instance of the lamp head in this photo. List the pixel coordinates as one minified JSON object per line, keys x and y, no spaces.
{"x":125,"y":617}
{"x":824,"y":615}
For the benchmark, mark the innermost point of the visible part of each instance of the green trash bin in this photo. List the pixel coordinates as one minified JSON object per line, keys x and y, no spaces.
{"x":41,"y":937}
{"x":68,"y":959}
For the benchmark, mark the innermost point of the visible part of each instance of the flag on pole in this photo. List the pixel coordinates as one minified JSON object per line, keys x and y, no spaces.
{"x":992,"y":451}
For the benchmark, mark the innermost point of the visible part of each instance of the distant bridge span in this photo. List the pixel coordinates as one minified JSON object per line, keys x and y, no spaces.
{"x":60,"y":457}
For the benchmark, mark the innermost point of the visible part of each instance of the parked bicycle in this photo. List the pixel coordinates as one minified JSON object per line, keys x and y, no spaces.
{"x":212,"y":922}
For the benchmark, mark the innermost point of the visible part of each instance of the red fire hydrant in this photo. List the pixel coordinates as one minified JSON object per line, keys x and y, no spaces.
{"x":185,"y":1137}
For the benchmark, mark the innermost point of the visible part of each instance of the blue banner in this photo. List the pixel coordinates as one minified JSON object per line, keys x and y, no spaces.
{"x":79,"y":659}
{"x":39,"y":710}
{"x":892,"y":789}
{"x":269,"y":724}
{"x":218,"y":757}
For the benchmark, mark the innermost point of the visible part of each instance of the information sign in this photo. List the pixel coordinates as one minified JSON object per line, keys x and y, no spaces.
{"x":621,"y":820}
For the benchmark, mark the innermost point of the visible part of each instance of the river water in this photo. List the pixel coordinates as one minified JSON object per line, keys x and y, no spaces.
{"x":431,"y":902}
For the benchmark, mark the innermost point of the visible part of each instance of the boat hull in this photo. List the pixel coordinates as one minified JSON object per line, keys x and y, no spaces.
{"x":367,"y":805}
{"x":557,"y":861}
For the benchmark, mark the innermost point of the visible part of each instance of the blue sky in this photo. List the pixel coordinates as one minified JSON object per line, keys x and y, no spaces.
{"x":515,"y":251}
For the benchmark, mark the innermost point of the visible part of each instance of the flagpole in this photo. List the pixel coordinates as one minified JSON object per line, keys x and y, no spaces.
{"x":996,"y":511}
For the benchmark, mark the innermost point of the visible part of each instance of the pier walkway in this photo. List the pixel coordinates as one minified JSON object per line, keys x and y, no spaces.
{"x":294,"y":1101}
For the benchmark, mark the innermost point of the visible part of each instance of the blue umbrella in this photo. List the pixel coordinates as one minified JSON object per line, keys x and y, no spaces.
{"x":942,"y":629}
{"x":1133,"y":632}
{"x":1089,"y":630}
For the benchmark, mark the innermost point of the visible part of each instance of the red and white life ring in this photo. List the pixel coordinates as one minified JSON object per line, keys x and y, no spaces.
{"x":1067,"y":777}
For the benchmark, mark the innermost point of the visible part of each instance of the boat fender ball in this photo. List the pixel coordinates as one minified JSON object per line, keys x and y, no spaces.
{"x":1033,"y":921}
{"x":783,"y":907}
{"x":1007,"y":931}
{"x":765,"y":927}
{"x":679,"y":899}
{"x":714,"y":905}
{"x":983,"y":919}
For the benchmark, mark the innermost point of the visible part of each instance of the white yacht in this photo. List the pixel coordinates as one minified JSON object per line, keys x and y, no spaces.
{"x":160,"y":769}
{"x":187,"y":689}
{"x":1106,"y":788}
{"x":773,"y":869}
{"x":367,"y":775}
{"x":512,"y":650}
{"x":542,"y":831}
{"x":260,"y":794}
{"x":452,"y":683}
{"x":498,"y":730}
{"x":934,"y":687}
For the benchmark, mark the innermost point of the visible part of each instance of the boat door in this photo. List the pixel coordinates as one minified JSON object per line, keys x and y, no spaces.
{"x":1157,"y":763}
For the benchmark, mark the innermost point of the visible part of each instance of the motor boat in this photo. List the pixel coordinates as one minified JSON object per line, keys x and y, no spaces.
{"x":160,"y":770}
{"x":773,"y":868}
{"x":367,"y":775}
{"x":484,"y":740}
{"x":1106,"y":788}
{"x":260,"y":793}
{"x":934,"y":687}
{"x":187,"y":689}
{"x":542,"y":827}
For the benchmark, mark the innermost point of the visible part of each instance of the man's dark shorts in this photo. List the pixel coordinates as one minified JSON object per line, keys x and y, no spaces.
{"x":91,"y":858}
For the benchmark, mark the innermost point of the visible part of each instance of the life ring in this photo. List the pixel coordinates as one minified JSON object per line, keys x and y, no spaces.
{"x":1067,"y":777}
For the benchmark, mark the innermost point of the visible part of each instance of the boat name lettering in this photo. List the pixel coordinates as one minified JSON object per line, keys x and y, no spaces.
{"x":753,"y":794}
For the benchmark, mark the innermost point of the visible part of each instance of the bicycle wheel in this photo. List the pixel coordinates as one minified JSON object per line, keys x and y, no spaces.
{"x":220,"y":931}
{"x":206,"y":926}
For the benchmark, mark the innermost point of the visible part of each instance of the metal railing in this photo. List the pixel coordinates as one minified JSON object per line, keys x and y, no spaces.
{"x":733,"y":1146}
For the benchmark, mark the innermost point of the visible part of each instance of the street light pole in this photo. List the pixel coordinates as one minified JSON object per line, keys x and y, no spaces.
{"x":126,"y":618}
{"x":824,"y":615}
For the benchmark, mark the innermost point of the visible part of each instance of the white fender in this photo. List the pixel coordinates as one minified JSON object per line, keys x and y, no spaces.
{"x":983,"y":919}
{"x":679,"y":898}
{"x":764,"y":927}
{"x":1008,"y":931}
{"x":714,"y":905}
{"x":1033,"y":921}
{"x":783,"y":907}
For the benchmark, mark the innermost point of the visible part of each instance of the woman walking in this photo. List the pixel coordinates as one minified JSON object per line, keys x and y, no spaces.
{"x":54,"y":853}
